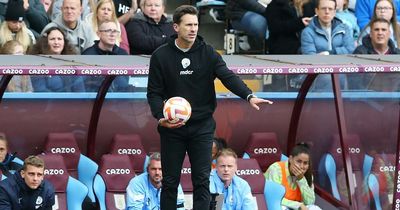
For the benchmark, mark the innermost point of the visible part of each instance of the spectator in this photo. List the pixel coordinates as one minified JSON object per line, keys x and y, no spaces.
{"x":105,"y":11}
{"x":108,"y":33}
{"x":36,"y":17}
{"x":385,"y":9}
{"x":326,"y":34}
{"x":27,"y":189}
{"x":14,"y":28}
{"x":21,"y":83}
{"x":150,"y":28}
{"x":54,"y":42}
{"x":223,"y":180}
{"x":347,"y":17}
{"x":7,"y":165}
{"x":286,"y":19}
{"x":57,"y":9}
{"x":296,"y":176}
{"x":365,"y":10}
{"x":248,"y":16}
{"x":125,"y":10}
{"x":78,"y":33}
{"x":143,"y":191}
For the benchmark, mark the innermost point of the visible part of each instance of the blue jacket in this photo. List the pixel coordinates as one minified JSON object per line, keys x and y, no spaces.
{"x":9,"y":166}
{"x":237,"y":196}
{"x":365,"y":9}
{"x":16,"y":195}
{"x":142,"y":195}
{"x":314,"y":39}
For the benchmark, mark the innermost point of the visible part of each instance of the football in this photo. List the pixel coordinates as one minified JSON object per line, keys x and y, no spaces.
{"x":177,"y":110}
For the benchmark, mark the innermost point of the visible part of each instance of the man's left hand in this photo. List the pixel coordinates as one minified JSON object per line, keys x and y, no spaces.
{"x":255,"y":101}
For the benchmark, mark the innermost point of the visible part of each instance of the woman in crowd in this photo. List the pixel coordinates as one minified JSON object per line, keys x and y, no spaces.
{"x":296,"y":176}
{"x":105,"y":11}
{"x":385,"y":9}
{"x":286,"y":19}
{"x":20,"y":83}
{"x":150,"y":28}
{"x":53,"y":42}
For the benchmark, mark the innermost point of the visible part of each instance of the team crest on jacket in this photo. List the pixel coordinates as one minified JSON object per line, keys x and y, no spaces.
{"x":185,"y":63}
{"x":39,"y":200}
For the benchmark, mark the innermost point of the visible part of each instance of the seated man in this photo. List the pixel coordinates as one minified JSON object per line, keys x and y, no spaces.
{"x":223,"y":180}
{"x":27,"y":189}
{"x":296,"y":176}
{"x":7,"y":166}
{"x":144,"y":191}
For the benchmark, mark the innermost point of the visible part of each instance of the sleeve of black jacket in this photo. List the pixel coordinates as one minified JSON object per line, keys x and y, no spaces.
{"x":227,"y":77}
{"x":155,"y":88}
{"x":37,"y":16}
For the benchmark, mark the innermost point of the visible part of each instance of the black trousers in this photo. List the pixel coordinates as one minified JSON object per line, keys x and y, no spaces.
{"x":195,"y":138}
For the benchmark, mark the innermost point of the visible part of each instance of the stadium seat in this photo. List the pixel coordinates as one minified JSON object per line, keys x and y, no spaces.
{"x":274,"y":194}
{"x":115,"y":172}
{"x":131,"y":145}
{"x":331,"y":165}
{"x":70,"y":193}
{"x":249,"y":170}
{"x":78,"y":165}
{"x":264,"y":147}
{"x":373,"y":186}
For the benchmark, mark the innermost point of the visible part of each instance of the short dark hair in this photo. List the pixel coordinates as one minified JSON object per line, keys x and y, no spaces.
{"x":183,"y":10}
{"x":33,"y":161}
{"x":378,"y":20}
{"x":318,"y":2}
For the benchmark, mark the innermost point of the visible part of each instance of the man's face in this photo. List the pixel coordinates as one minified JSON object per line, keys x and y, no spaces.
{"x":380,"y":33}
{"x":71,"y":11}
{"x":108,"y":33}
{"x":326,"y":11}
{"x":187,"y":28}
{"x":33,"y":176}
{"x":3,"y":150}
{"x":154,"y":9}
{"x":155,"y":172}
{"x":226,"y":168}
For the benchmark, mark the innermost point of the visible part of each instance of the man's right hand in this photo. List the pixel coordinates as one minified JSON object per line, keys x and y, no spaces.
{"x":165,"y":123}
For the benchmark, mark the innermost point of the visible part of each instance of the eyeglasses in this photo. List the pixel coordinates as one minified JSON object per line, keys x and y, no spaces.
{"x":110,"y":31}
{"x":384,"y":8}
{"x":329,"y":9}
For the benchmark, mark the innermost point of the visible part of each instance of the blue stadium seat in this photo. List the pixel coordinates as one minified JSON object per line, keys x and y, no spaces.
{"x":328,"y":168}
{"x":274,"y":194}
{"x":373,"y":186}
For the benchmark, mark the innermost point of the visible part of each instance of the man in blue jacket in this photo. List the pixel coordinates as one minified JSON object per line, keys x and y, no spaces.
{"x":223,"y":180}
{"x":143,"y":191}
{"x":27,"y":189}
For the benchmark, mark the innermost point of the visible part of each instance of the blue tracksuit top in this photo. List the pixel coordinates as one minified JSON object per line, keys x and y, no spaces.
{"x":142,"y":195}
{"x":237,"y":196}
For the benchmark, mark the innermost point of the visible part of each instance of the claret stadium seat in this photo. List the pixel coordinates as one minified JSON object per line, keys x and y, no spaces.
{"x":70,"y":193}
{"x":264,"y":147}
{"x":78,"y":165}
{"x":115,"y":172}
{"x":131,"y":145}
{"x":249,"y":170}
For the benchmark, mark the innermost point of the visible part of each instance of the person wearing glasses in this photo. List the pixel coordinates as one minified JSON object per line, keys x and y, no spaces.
{"x":326,"y":34}
{"x":365,"y":10}
{"x":144,"y":191}
{"x":149,"y":28}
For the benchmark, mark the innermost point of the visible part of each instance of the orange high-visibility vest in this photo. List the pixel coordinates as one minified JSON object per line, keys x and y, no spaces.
{"x":290,"y":194}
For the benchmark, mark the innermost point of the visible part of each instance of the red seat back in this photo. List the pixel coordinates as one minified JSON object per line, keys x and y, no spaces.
{"x":64,"y":144}
{"x":264,"y":148}
{"x":355,"y":149}
{"x":56,"y":173}
{"x":249,"y":170}
{"x":131,"y":145}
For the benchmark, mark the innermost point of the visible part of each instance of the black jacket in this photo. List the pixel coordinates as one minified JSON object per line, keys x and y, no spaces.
{"x":95,"y":50}
{"x":235,"y":9}
{"x":367,"y":48}
{"x":9,"y":165}
{"x":189,"y":75}
{"x":285,"y":26}
{"x":16,"y":195}
{"x":145,"y":35}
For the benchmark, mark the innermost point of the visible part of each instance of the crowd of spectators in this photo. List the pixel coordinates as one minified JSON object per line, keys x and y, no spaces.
{"x":65,"y":27}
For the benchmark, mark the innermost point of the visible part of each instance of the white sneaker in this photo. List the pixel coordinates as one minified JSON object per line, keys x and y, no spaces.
{"x":214,"y":15}
{"x":244,"y":43}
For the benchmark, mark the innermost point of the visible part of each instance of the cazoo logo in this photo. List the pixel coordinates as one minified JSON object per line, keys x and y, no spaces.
{"x":63,"y":150}
{"x":53,"y":171}
{"x":265,"y":150}
{"x":353,"y":150}
{"x":129,"y":151}
{"x":248,"y":172}
{"x":111,"y":171}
